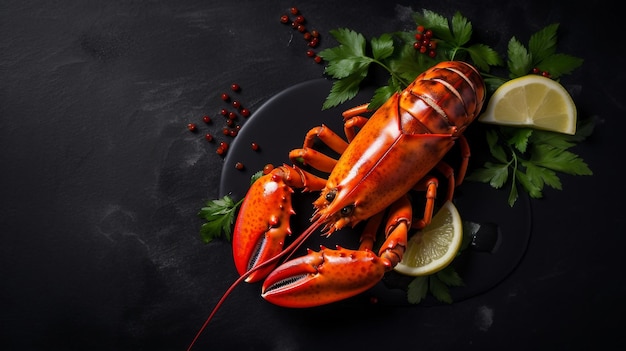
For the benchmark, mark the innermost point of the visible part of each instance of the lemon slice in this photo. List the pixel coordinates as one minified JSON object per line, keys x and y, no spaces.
{"x":533,"y":101}
{"x":434,"y":247}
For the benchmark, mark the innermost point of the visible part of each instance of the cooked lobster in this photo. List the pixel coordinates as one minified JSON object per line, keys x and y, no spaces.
{"x":384,"y":158}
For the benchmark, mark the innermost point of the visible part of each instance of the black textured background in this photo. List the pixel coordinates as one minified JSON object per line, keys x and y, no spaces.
{"x":100,"y":181}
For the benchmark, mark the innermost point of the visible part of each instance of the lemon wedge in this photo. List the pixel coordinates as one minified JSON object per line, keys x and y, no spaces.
{"x":435,"y":246}
{"x":532,"y":101}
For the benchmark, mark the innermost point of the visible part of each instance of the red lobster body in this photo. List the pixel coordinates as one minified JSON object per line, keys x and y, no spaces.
{"x":391,"y":154}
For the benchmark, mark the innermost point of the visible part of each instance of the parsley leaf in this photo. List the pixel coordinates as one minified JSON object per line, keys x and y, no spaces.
{"x":520,"y":60}
{"x":532,"y":158}
{"x":219,"y":215}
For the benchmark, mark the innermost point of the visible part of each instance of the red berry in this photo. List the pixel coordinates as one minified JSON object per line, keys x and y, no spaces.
{"x":230,"y":122}
{"x":284,"y":19}
{"x":315,"y":33}
{"x":225,"y":97}
{"x":245,"y":112}
{"x":418,"y":36}
{"x":423,"y":49}
{"x":208,"y":137}
{"x":428,"y":33}
{"x":314,"y":42}
{"x":301,"y":28}
{"x":191,"y":127}
{"x":239,"y":166}
{"x":307,"y":36}
{"x":268,"y":168}
{"x":432,"y":53}
{"x":220,"y":151}
{"x":300,"y":19}
{"x":233,"y":133}
{"x":255,"y":146}
{"x":420,"y":29}
{"x":310,"y":53}
{"x":232,"y":115}
{"x":224,"y":112}
{"x":236,"y":104}
{"x":317,"y":59}
{"x":294,"y":10}
{"x":224,"y":145}
{"x":206,"y":119}
{"x":535,"y":70}
{"x":417,"y":45}
{"x":225,"y":131}
{"x":235,"y":87}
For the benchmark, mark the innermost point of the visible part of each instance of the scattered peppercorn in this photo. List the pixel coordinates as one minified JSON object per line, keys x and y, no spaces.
{"x":546,"y":74}
{"x":424,"y":42}
{"x":312,"y":38}
{"x":268,"y":168}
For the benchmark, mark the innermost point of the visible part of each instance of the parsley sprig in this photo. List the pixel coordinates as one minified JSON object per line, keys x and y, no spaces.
{"x":350,"y":61}
{"x":219,"y":215}
{"x":531,"y":158}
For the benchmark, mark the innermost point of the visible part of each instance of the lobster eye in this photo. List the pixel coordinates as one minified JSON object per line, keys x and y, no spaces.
{"x":346,"y":211}
{"x":330,"y":196}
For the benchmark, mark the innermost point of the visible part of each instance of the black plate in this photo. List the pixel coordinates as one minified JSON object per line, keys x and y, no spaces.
{"x":280,"y":125}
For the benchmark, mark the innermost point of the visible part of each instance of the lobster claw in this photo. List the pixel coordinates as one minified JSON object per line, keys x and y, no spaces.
{"x":323,"y":277}
{"x":262,"y":224}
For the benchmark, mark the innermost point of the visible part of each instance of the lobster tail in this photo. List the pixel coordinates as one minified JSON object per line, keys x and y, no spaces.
{"x":446,"y":98}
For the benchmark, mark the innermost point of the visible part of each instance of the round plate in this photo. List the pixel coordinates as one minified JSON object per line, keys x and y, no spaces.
{"x":499,"y":233}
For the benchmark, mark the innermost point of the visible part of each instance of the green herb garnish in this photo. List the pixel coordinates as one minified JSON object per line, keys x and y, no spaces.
{"x":531,"y":158}
{"x":220,"y":216}
{"x":436,"y":284}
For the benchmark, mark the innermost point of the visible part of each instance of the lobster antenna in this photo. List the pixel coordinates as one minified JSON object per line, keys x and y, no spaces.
{"x":287,"y":251}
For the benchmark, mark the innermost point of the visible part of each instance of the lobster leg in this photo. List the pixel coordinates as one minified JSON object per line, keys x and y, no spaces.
{"x":429,"y":187}
{"x":353,"y":119}
{"x":328,"y":275}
